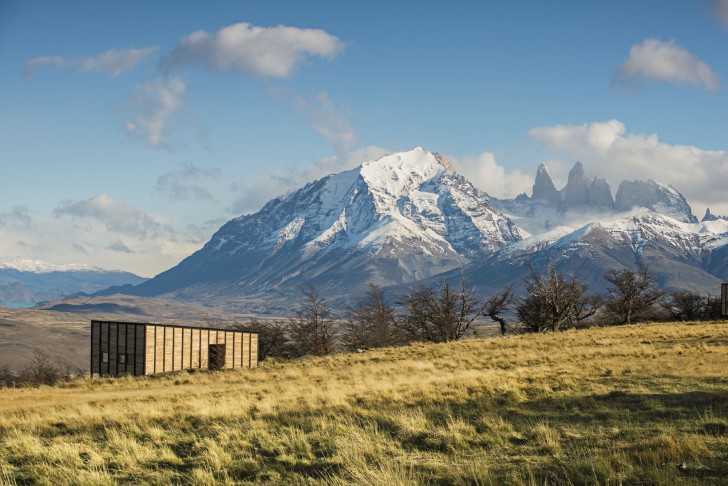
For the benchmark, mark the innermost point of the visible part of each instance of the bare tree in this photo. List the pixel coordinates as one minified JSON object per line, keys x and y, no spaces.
{"x":633,"y":295}
{"x":585,"y":306}
{"x":371,"y":323}
{"x":311,"y":331}
{"x":555,"y":302}
{"x":43,"y":371}
{"x":713,"y":308}
{"x":685,"y":305}
{"x":496,"y":305}
{"x":439,"y":315}
{"x":7,"y":377}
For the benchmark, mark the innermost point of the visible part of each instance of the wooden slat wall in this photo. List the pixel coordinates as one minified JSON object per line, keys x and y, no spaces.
{"x":112,"y":349}
{"x":95,"y":343}
{"x":151,"y":348}
{"x":238,"y":356}
{"x":204,"y":342}
{"x":253,"y":350}
{"x":139,"y":349}
{"x":120,"y":348}
{"x":177,"y":349}
{"x":104,"y":346}
{"x":245,"y":355}
{"x":229,"y":351}
{"x":195,"y":347}
{"x":159,"y":350}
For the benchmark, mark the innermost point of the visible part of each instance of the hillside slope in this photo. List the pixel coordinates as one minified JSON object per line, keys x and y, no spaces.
{"x":635,"y":404}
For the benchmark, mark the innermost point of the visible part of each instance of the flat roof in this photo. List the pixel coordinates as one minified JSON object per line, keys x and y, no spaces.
{"x":203,"y":328}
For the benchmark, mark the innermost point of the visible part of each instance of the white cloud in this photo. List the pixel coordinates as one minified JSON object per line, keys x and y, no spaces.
{"x":249,"y":49}
{"x":608,"y":150}
{"x":330,"y":120}
{"x":103,"y":232}
{"x":115,"y":61}
{"x":269,"y":52}
{"x":485,"y":173}
{"x":656,"y":60}
{"x":116,"y":216}
{"x":155,"y":102}
{"x":177,"y":184}
{"x":241,"y":48}
{"x":254,"y":194}
{"x":17,"y":216}
{"x":721,"y":7}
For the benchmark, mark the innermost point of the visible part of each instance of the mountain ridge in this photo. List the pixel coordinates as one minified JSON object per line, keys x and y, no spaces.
{"x":409,"y":217}
{"x":393,"y":220}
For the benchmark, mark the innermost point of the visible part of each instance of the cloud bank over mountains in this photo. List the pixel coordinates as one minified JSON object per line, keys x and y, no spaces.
{"x":611,"y":151}
{"x":99,"y":228}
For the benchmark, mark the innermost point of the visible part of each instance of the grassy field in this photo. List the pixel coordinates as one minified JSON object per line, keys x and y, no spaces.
{"x":634,"y":404}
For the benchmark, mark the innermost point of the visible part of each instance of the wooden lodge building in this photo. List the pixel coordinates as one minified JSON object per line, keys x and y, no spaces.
{"x":121,"y":348}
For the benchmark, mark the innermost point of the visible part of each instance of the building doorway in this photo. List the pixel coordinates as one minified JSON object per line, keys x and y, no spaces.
{"x":216,"y":356}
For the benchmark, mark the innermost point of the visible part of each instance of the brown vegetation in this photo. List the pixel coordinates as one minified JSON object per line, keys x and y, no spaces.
{"x":640,"y":404}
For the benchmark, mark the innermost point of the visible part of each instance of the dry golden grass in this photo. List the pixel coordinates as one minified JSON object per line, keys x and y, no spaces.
{"x":634,"y":404}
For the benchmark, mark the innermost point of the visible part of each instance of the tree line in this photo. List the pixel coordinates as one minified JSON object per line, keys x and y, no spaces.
{"x":552,"y":302}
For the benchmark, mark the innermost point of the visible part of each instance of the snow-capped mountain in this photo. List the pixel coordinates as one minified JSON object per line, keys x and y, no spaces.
{"x":397,"y":219}
{"x":654,"y":196}
{"x":583,"y":229}
{"x":585,"y":199}
{"x":28,"y":281}
{"x":33,"y":265}
{"x":683,"y":255}
{"x":408,"y":217}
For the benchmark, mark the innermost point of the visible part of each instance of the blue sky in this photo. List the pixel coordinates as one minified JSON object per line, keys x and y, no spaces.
{"x":130,"y":131}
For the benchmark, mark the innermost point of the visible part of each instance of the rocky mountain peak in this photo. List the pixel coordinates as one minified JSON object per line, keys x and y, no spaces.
{"x":399,"y":218}
{"x":655,"y":197}
{"x":600,"y":194}
{"x":543,"y":187}
{"x":711,"y":217}
{"x":576,"y":192}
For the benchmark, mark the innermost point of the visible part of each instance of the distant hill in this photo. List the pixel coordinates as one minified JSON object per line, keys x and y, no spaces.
{"x":29,"y":281}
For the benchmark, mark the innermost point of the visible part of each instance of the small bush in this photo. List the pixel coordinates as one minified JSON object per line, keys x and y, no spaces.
{"x":41,"y":371}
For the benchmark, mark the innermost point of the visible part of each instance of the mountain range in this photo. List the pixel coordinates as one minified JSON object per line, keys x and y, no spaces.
{"x":409,"y":217}
{"x":25,"y":281}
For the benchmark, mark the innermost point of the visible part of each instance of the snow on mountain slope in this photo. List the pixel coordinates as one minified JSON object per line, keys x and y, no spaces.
{"x":661,"y":198}
{"x":583,"y":200}
{"x":683,"y":255}
{"x":38,"y":266}
{"x":400,"y":218}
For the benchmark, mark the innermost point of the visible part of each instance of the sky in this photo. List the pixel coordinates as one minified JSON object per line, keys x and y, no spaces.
{"x":131,"y":131}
